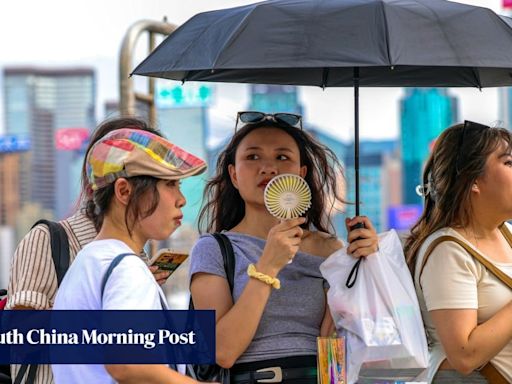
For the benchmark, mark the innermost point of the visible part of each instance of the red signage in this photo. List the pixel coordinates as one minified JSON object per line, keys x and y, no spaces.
{"x":70,"y":139}
{"x":507,"y":3}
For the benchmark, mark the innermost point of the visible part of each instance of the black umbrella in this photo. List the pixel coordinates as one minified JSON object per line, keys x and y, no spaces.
{"x":341,"y":43}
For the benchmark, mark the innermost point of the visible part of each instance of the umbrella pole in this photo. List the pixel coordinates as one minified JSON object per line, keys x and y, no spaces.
{"x":352,"y":276}
{"x":356,"y":135}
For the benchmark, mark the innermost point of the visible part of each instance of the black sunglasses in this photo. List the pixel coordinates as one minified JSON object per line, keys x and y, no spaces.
{"x":253,"y":117}
{"x":470,"y":128}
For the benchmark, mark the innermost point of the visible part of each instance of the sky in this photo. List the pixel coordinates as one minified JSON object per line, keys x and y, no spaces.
{"x":57,"y":33}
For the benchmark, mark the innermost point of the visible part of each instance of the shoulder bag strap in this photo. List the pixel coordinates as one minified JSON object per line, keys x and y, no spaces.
{"x":228,"y":255}
{"x":503,"y":277}
{"x":59,"y":244}
{"x":113,"y":264}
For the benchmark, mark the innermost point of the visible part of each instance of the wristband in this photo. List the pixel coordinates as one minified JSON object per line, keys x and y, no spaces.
{"x":272,"y":281}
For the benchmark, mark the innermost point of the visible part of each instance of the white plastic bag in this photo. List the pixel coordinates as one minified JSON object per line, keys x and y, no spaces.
{"x":379,"y":316}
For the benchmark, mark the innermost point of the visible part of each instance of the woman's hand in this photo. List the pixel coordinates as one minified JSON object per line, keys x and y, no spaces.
{"x":160,"y":276}
{"x":283,"y":242}
{"x":362,"y":241}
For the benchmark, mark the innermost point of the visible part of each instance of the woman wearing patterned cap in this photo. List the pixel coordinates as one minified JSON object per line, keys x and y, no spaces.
{"x":135,"y":178}
{"x":33,"y":280}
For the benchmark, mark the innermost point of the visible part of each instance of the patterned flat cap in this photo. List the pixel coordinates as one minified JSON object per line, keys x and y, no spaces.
{"x":130,"y":152}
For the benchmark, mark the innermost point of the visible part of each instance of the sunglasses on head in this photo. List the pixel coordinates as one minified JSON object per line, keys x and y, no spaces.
{"x":253,"y":117}
{"x":470,"y":128}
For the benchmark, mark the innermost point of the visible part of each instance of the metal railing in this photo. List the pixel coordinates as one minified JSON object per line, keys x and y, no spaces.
{"x":128,"y":97}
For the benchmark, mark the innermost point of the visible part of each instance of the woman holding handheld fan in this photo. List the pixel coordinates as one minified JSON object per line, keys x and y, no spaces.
{"x":268,"y":325}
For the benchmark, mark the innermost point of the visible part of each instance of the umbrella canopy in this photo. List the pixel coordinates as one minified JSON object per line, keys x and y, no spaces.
{"x":319,"y":42}
{"x":341,"y":43}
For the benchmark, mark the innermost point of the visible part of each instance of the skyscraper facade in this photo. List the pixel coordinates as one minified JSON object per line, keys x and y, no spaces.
{"x":39,"y":103}
{"x":187,"y":127}
{"x":274,"y":98}
{"x":424,"y":114}
{"x":374,"y":174}
{"x":505,"y":106}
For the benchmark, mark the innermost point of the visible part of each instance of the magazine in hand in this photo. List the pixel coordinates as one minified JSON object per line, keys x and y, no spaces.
{"x":168,"y":260}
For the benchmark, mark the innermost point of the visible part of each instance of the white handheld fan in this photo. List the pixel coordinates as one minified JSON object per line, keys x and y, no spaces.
{"x":287,"y":196}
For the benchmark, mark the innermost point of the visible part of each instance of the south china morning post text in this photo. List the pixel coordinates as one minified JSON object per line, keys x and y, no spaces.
{"x":107,"y":337}
{"x":147,"y":340}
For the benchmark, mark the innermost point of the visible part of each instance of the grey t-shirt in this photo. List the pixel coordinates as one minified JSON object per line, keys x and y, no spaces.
{"x":291,"y":321}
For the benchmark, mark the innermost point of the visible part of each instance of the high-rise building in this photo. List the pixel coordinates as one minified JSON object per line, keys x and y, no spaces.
{"x":505,"y":106}
{"x":375,"y":171}
{"x":182,"y":116}
{"x":9,"y":188}
{"x":12,"y":149}
{"x":505,"y":93}
{"x":38,"y":104}
{"x":424,"y":114}
{"x":337,"y":212}
{"x":188,"y":127}
{"x":274,"y":98}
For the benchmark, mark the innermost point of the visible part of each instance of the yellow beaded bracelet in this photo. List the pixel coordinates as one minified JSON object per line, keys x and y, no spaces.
{"x":273,"y":281}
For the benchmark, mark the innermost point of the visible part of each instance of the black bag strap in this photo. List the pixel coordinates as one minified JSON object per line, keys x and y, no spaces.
{"x":228,"y":257}
{"x":31,"y":377}
{"x":59,"y":244}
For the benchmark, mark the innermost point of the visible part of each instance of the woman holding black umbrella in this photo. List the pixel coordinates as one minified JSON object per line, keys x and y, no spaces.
{"x":268,"y":326}
{"x":460,"y":252}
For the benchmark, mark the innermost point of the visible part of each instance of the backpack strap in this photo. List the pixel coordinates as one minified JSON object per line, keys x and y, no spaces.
{"x":113,"y":264}
{"x":498,"y":273}
{"x":59,"y":244}
{"x":31,"y":377}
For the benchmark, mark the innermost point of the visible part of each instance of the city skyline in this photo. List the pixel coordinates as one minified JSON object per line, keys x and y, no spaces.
{"x":66,"y":37}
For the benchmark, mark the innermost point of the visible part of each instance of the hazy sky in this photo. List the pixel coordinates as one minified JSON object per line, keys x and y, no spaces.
{"x":89,"y":32}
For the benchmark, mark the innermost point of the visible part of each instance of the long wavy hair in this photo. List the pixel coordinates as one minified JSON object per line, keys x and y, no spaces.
{"x":224,"y":207}
{"x":447,"y":202}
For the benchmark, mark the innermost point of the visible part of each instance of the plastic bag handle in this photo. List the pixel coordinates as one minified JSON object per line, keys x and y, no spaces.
{"x":352,"y":276}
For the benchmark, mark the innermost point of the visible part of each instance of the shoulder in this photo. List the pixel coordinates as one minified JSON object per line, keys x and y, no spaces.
{"x":434,"y":245}
{"x":205,"y":250}
{"x":320,"y":243}
{"x":446,"y":257}
{"x":205,"y":243}
{"x":206,"y":257}
{"x":35,"y":242}
{"x":80,"y":225}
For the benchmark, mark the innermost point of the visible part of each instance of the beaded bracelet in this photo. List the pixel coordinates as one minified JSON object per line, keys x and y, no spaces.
{"x":273,"y":281}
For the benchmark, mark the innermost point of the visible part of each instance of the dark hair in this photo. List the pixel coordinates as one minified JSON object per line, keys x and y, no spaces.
{"x":447,"y":203}
{"x":224,"y":207}
{"x":107,"y":126}
{"x":139,"y":204}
